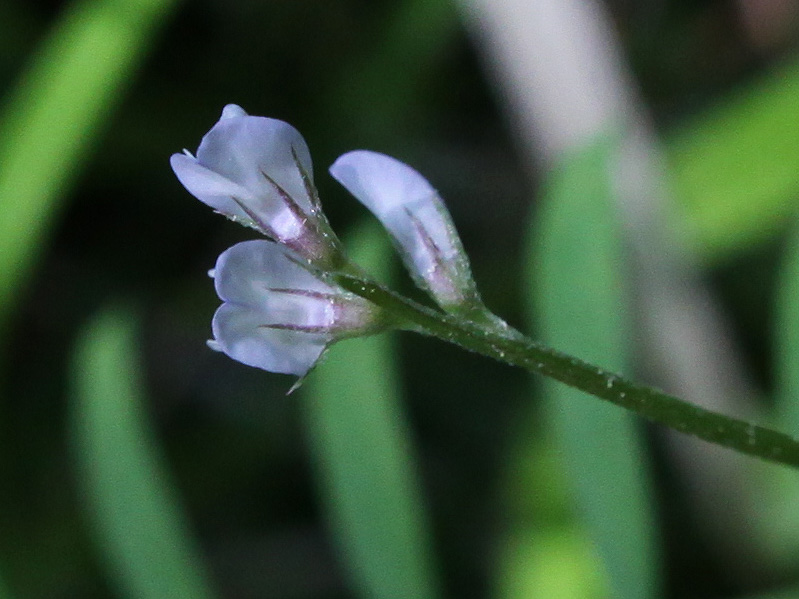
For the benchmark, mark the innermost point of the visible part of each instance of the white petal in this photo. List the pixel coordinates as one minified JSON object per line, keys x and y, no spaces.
{"x":244,"y":148}
{"x":239,"y":334}
{"x":262,"y":285}
{"x":247,"y":271}
{"x":381,"y":182}
{"x":211,"y":188}
{"x":256,"y":170}
{"x":232,"y":110}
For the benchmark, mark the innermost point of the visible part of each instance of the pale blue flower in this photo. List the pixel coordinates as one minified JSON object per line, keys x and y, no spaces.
{"x":277,"y":313}
{"x":281,"y":308}
{"x":418,"y":222}
{"x":258,"y":171}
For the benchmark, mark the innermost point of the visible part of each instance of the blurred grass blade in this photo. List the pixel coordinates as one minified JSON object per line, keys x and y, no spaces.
{"x":736,"y":167}
{"x":577,"y":299}
{"x":783,"y":593}
{"x":361,"y":445}
{"x":385,"y":86}
{"x":779,"y":519}
{"x":50,"y":121}
{"x":545,"y":552}
{"x":786,"y":333}
{"x":130,"y":501}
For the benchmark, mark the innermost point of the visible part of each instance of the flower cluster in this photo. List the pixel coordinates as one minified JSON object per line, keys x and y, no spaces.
{"x":281,"y":308}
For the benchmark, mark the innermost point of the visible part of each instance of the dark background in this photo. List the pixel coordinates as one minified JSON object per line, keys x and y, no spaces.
{"x":347,"y":74}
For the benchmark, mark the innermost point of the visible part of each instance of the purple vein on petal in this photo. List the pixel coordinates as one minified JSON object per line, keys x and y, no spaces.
{"x":322,"y":295}
{"x":428,"y":242}
{"x":300,"y":328}
{"x":295,"y":209}
{"x":263,"y":227}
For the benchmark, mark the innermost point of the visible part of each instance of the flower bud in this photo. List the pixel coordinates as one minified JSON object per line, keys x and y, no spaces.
{"x":418,"y":222}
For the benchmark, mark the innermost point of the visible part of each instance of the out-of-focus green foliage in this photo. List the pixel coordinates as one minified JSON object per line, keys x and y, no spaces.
{"x":546,"y":551}
{"x":4,"y":594}
{"x":578,"y":297}
{"x":141,"y":533}
{"x":364,"y":459}
{"x":779,"y":488}
{"x":52,"y":119}
{"x":368,"y":101}
{"x":787,"y":593}
{"x":735,"y":165}
{"x":786,"y":329}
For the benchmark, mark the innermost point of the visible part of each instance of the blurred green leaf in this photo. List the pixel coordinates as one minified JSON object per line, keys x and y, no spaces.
{"x":52,"y":119}
{"x":130,"y":501}
{"x":363,"y":454}
{"x":736,"y":165}
{"x":545,"y":552}
{"x":577,"y":298}
{"x":553,"y":563}
{"x":385,"y":86}
{"x":779,"y":487}
{"x":786,"y":336}
{"x":783,"y":593}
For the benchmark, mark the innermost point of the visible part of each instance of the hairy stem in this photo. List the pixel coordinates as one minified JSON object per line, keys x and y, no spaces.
{"x":512,"y":348}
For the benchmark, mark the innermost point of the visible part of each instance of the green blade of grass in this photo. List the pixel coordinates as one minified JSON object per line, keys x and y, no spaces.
{"x":735,"y":166}
{"x":51,"y":120}
{"x":577,"y":298}
{"x":365,"y":102}
{"x":779,"y":489}
{"x":786,"y":337}
{"x":782,"y":593}
{"x":362,"y":450}
{"x":130,"y":501}
{"x":545,"y":552}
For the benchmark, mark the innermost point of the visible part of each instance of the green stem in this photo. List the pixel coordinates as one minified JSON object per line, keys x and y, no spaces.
{"x":507,"y":345}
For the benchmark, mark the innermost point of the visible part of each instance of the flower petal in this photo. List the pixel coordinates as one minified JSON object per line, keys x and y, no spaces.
{"x":239,"y":333}
{"x":253,"y":169}
{"x":212,"y":188}
{"x":277,"y":315}
{"x":416,"y":218}
{"x":247,"y":271}
{"x":242,"y":148}
{"x":232,"y":110}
